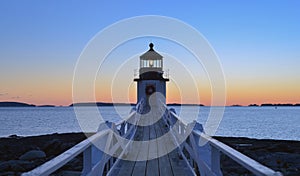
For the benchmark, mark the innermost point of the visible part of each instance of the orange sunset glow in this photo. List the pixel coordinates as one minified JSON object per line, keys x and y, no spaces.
{"x":259,"y":58}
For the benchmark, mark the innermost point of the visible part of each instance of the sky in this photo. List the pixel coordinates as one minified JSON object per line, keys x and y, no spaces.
{"x":257,"y":42}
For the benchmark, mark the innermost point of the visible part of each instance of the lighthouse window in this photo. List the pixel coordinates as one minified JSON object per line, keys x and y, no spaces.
{"x":151,"y":63}
{"x":143,"y":63}
{"x":158,"y":63}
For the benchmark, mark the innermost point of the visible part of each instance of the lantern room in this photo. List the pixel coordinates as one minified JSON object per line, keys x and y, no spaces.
{"x":151,"y":60}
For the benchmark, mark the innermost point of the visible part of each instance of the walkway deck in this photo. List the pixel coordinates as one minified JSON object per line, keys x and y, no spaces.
{"x":169,"y":164}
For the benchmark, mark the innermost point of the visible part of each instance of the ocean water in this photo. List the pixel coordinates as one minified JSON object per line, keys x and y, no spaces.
{"x":252,"y":122}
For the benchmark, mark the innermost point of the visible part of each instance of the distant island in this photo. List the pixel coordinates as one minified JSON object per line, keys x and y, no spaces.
{"x":236,"y":105}
{"x":15,"y":104}
{"x":253,"y":105}
{"x":266,"y":105}
{"x":287,"y":104}
{"x":46,"y":106}
{"x":177,"y":104}
{"x":126,"y":104}
{"x":101,"y":104}
{"x":22,"y":104}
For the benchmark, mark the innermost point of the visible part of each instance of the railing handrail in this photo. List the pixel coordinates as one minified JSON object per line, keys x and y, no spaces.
{"x":247,"y":162}
{"x":126,"y":119}
{"x":165,"y":71}
{"x":178,"y":118}
{"x":59,"y":161}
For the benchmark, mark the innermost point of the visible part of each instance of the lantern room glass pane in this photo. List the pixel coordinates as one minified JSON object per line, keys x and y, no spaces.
{"x":150,"y":63}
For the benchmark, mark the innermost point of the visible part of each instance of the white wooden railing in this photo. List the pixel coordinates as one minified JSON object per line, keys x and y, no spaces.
{"x":96,"y":149}
{"x":59,"y":161}
{"x":203,"y":152}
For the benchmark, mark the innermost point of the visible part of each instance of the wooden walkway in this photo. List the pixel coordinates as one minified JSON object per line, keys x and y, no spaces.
{"x":171,"y":163}
{"x":141,"y":157}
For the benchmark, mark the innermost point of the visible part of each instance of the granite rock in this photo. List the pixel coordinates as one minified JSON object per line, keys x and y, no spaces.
{"x":33,"y":155}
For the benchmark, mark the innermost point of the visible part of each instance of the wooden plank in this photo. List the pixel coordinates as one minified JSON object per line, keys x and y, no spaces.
{"x":153,"y":152}
{"x":137,"y":152}
{"x":169,"y":164}
{"x":152,"y":164}
{"x":152,"y":167}
{"x":140,"y":166}
{"x":126,"y":167}
{"x":114,"y":171}
{"x":163,"y":161}
{"x":179,"y":166}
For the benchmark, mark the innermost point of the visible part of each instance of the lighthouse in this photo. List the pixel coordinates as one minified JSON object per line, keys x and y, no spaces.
{"x":151,"y":78}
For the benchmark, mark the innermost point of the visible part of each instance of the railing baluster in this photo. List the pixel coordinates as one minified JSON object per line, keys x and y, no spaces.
{"x":215,"y":161}
{"x":111,"y":162}
{"x":87,"y":161}
{"x":122,"y":129}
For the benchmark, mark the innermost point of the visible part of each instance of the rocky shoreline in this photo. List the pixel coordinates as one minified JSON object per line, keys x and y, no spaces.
{"x":279,"y":155}
{"x":21,"y":154}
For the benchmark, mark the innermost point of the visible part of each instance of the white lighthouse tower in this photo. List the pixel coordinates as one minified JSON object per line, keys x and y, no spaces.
{"x":151,"y":78}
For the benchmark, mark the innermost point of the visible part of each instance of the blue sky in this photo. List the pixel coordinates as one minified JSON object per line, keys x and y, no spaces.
{"x":258,"y":43}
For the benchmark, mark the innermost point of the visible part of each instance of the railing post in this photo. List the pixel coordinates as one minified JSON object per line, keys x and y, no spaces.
{"x":172,"y":118}
{"x":128,"y":127}
{"x":111,"y":162}
{"x":113,"y":127}
{"x":122,"y":129}
{"x":87,"y":160}
{"x":215,"y":161}
{"x":182,"y":129}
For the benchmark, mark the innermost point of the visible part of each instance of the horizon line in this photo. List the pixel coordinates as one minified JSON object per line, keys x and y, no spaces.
{"x":171,"y":103}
